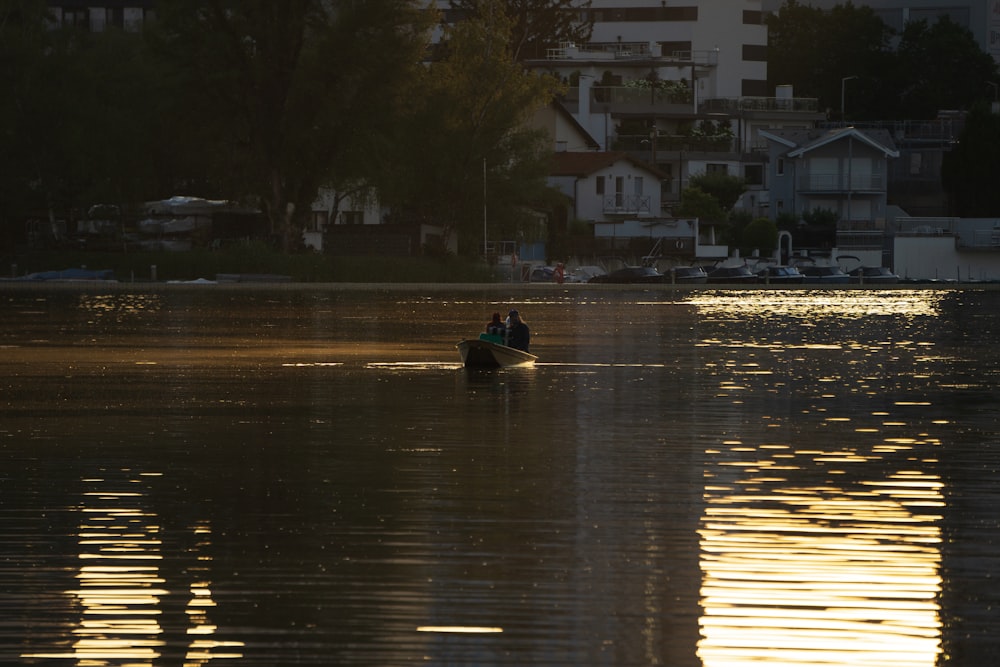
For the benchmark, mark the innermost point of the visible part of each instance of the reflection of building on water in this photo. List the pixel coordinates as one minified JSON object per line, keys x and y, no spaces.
{"x":122,"y":592}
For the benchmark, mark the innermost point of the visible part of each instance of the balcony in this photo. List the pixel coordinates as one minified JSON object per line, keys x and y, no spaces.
{"x":629,"y":100}
{"x":840,"y":182}
{"x":623,"y":204}
{"x":675,"y":145}
{"x":646,"y":52}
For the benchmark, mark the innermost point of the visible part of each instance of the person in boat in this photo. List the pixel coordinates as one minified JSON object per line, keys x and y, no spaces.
{"x":518,"y":335}
{"x":496,"y":326}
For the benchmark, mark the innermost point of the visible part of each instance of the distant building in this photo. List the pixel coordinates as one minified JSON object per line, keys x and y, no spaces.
{"x":99,"y":15}
{"x":844,"y":170}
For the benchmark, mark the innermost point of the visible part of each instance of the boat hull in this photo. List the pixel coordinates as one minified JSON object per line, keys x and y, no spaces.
{"x":484,"y":354}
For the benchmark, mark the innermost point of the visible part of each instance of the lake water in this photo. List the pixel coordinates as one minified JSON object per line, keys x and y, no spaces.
{"x":688,"y":477}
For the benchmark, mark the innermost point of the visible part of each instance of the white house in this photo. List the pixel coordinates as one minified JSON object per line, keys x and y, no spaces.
{"x":607,"y":186}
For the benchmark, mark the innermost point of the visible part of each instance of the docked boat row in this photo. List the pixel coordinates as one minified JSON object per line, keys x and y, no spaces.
{"x":807,"y":273}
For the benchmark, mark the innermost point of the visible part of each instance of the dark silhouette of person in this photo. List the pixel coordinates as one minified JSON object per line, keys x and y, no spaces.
{"x":518,"y":335}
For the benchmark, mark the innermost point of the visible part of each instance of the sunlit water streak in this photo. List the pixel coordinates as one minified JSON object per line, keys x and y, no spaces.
{"x":122,"y":591}
{"x":696,"y":479}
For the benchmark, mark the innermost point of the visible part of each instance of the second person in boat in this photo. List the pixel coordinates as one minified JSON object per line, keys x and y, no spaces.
{"x":518,"y":335}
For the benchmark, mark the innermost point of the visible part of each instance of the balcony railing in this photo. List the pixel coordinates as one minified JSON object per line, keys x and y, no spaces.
{"x":628,"y":204}
{"x":841,"y":182}
{"x":736,"y":105}
{"x":637,"y":97}
{"x":632,"y":51}
{"x":675,"y":144}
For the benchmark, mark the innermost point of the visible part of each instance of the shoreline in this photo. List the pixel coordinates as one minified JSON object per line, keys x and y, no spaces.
{"x":111,"y":286}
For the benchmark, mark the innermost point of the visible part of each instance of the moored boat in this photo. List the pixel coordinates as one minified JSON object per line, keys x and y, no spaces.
{"x":824,"y":274}
{"x":488,"y":351}
{"x":780,"y":275}
{"x":875,"y":275}
{"x":737,"y":275}
{"x":631,"y":275}
{"x":689,"y":275}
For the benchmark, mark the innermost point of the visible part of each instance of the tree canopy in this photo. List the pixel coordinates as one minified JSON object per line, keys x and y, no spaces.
{"x":536,"y":25}
{"x":813,"y":50}
{"x":940,"y":66}
{"x":286,"y":91}
{"x":852,"y":62}
{"x":971,"y":170}
{"x":466,"y":135}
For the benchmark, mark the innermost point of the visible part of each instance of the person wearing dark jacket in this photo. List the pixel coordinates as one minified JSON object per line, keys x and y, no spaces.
{"x":518,"y":335}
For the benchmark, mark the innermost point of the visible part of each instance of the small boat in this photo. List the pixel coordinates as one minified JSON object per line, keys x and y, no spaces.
{"x":631,"y":275}
{"x":780,"y":275}
{"x":488,"y":351}
{"x":732,"y":275}
{"x":875,"y":275}
{"x":824,"y":274}
{"x":688,"y":275}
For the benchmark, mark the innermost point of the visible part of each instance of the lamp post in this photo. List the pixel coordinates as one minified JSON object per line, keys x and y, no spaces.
{"x":843,"y":81}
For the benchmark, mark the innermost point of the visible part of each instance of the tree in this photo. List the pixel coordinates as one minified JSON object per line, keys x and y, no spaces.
{"x":813,"y":50}
{"x":24,"y":40}
{"x":467,"y":134}
{"x":724,"y":188}
{"x":971,"y":170}
{"x":696,"y":203}
{"x":286,"y":92}
{"x":760,"y":234}
{"x":79,"y":116}
{"x":537,"y":24}
{"x":929,"y":82}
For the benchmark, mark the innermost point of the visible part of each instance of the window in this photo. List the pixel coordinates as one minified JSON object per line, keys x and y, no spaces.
{"x":676,"y":49}
{"x":77,"y":18}
{"x":352,"y":217}
{"x":318,"y":221}
{"x":716,"y":168}
{"x":599,"y":183}
{"x":637,"y":185}
{"x":779,"y":168}
{"x":754,"y":88}
{"x":753,"y":174}
{"x":114,"y":17}
{"x":755,"y":53}
{"x":646,"y":14}
{"x":751,"y":17}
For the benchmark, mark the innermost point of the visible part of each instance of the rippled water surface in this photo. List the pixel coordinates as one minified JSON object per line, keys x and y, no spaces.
{"x":272,"y":477}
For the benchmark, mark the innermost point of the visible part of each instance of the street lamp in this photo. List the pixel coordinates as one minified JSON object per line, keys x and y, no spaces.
{"x":842,"y":82}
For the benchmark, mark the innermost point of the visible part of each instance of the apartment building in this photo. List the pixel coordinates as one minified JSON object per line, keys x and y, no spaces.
{"x":682,"y":87}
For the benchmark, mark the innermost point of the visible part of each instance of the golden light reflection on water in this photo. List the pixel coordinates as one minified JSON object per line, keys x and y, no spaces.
{"x":827,"y":575}
{"x":808,"y":304}
{"x":121,"y":588}
{"x":119,"y":307}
